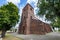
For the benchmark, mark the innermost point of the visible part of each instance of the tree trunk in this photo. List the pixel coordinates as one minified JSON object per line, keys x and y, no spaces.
{"x":3,"y":33}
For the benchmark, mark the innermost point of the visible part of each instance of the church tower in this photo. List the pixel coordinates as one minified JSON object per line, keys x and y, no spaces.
{"x":30,"y":24}
{"x":27,"y":14}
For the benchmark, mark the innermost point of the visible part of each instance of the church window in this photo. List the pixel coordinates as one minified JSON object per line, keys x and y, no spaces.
{"x":31,"y":17}
{"x":30,"y":8}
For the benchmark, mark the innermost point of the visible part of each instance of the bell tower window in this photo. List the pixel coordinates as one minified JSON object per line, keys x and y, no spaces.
{"x":31,"y":9}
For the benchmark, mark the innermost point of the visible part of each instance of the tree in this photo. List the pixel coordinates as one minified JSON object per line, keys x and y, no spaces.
{"x":51,"y":10}
{"x":8,"y":17}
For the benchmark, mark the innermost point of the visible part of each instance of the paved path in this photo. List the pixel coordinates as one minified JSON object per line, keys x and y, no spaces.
{"x":0,"y":37}
{"x":49,"y":36}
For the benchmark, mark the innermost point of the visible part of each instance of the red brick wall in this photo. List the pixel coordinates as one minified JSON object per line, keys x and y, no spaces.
{"x":39,"y":27}
{"x":29,"y":25}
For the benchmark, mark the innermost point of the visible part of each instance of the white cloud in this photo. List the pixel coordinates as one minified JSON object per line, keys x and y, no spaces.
{"x":14,"y":1}
{"x":31,"y":1}
{"x":21,"y":7}
{"x":36,"y":10}
{"x":35,"y":4}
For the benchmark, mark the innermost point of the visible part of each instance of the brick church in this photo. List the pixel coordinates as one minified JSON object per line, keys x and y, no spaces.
{"x":30,"y":24}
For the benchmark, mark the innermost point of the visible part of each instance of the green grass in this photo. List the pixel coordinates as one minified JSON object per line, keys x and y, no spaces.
{"x":10,"y":37}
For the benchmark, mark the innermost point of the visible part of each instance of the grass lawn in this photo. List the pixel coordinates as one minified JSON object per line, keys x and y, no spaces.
{"x":10,"y":37}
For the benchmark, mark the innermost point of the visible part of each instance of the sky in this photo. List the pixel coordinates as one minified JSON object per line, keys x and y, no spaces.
{"x":21,"y":4}
{"x":33,"y":3}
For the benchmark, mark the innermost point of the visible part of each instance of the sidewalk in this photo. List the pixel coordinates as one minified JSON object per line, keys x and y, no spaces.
{"x":49,"y":36}
{"x":0,"y":38}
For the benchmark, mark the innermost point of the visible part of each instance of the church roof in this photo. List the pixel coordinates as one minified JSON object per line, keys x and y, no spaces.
{"x":29,"y":5}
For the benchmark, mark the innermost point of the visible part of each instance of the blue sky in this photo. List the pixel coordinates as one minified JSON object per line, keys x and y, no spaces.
{"x":21,"y":3}
{"x":33,"y":3}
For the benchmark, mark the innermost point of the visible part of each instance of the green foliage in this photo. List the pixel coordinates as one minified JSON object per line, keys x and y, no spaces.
{"x":8,"y":16}
{"x":51,"y":10}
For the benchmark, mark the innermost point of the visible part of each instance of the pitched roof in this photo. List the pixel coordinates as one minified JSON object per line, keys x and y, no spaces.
{"x":29,"y":5}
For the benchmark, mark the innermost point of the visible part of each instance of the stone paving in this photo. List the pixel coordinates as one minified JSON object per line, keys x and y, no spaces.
{"x":49,"y":36}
